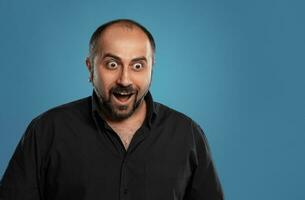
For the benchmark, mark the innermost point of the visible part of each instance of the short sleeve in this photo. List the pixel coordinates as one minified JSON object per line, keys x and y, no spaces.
{"x":204,"y":184}
{"x":21,"y":178}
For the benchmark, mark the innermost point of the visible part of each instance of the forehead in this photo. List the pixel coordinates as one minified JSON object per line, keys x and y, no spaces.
{"x":124,"y":39}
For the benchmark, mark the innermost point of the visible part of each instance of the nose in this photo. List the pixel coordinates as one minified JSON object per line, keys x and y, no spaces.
{"x":124,"y":77}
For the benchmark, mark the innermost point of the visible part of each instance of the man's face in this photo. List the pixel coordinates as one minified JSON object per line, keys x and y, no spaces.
{"x":122,"y":70}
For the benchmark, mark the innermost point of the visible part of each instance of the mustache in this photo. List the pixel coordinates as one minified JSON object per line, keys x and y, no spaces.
{"x":122,"y":89}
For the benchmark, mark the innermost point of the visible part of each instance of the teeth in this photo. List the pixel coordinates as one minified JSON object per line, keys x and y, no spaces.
{"x":122,"y":93}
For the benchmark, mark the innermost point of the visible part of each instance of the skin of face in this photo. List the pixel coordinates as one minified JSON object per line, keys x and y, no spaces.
{"x":122,"y":65}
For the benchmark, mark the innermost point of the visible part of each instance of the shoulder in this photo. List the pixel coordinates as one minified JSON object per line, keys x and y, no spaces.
{"x":71,"y":111}
{"x":179,"y":124}
{"x":171,"y":117}
{"x":166,"y":113}
{"x":46,"y":127}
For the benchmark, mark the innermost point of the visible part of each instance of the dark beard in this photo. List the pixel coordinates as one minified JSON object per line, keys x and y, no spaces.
{"x":110,"y":112}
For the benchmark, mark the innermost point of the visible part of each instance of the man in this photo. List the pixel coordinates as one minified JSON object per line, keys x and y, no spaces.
{"x":117,"y":143}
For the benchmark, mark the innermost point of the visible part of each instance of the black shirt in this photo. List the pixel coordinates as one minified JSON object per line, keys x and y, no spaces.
{"x":70,"y":153}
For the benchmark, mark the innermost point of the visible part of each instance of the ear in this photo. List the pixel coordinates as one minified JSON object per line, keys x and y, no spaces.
{"x":153,"y":60}
{"x":90,"y":68}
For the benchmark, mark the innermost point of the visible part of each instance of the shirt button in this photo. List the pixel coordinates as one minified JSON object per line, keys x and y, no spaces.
{"x":125,"y":191}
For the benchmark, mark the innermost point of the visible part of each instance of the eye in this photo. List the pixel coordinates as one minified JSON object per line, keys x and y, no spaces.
{"x":112,"y":65}
{"x":137,"y":66}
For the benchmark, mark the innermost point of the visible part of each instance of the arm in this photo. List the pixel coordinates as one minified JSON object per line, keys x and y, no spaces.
{"x":204,"y":184}
{"x":21,"y":178}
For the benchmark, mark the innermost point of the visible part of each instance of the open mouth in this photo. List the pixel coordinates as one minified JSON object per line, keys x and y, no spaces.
{"x":122,"y":97}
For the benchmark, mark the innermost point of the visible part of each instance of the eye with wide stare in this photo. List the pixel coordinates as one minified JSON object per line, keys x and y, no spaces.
{"x":112,"y":65}
{"x":137,"y":66}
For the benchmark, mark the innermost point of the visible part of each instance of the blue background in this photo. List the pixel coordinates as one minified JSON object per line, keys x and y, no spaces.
{"x":236,"y":67}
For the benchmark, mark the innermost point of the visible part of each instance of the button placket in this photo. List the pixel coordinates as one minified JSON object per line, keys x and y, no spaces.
{"x":123,"y":186}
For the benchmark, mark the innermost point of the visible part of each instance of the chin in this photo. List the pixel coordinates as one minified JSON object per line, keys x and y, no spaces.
{"x":118,"y":116}
{"x":122,"y":112}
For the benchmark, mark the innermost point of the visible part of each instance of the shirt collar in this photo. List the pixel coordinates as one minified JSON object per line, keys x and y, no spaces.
{"x":150,"y":114}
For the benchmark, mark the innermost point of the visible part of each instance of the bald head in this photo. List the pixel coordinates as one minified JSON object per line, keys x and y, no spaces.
{"x":125,"y":24}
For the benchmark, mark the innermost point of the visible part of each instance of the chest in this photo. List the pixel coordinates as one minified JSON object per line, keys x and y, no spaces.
{"x":125,"y":133}
{"x":89,"y":165}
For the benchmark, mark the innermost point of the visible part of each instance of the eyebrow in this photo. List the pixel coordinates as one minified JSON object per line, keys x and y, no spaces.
{"x":118,"y":58}
{"x":111,"y":55}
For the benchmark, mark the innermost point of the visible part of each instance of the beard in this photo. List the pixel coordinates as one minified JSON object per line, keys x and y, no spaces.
{"x":116,"y":112}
